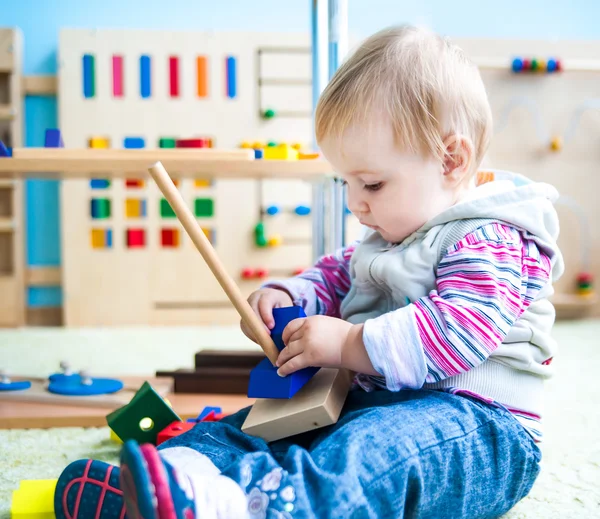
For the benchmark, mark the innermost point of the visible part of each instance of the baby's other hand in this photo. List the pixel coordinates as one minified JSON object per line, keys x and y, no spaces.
{"x":262,"y":302}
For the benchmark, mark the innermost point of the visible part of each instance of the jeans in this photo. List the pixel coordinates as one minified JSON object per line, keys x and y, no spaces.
{"x":412,"y":454}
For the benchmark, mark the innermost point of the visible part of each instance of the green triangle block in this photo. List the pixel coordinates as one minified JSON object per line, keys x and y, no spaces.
{"x":143,"y":417}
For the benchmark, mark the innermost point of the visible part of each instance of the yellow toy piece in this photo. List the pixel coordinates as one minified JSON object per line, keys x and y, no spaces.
{"x":114,"y":437}
{"x":556,"y":144}
{"x":99,"y":143}
{"x":34,"y":499}
{"x":281,"y":152}
{"x":275,"y":240}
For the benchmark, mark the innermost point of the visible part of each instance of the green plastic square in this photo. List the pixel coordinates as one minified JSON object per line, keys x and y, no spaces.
{"x":166,"y":211}
{"x":166,"y":142}
{"x":204,"y":207}
{"x":100,"y":208}
{"x":143,"y":417}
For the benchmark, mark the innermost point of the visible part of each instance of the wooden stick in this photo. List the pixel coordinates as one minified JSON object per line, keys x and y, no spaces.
{"x":185,"y":216}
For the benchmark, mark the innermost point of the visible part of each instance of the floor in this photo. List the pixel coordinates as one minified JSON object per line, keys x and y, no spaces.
{"x":567,"y":487}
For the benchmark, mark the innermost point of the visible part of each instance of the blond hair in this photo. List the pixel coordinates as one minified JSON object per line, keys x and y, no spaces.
{"x":426,"y":85}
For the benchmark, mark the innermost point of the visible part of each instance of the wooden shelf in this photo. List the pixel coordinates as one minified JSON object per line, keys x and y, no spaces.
{"x":7,"y":225}
{"x":573,"y":301}
{"x":7,"y":113}
{"x":68,"y":163}
{"x":7,"y":183}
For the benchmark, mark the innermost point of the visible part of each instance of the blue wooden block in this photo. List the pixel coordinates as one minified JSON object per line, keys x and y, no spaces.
{"x":4,"y":151}
{"x":264,"y":380}
{"x":282,"y":317}
{"x":53,"y":139}
{"x":266,"y":383}
{"x":133,"y":143}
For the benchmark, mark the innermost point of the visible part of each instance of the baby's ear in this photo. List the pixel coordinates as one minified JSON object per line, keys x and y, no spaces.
{"x":458,"y":158}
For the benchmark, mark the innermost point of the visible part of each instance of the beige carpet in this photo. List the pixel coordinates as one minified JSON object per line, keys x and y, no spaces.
{"x":569,"y":486}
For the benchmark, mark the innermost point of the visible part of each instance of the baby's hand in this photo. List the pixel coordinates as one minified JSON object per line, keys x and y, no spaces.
{"x":262,"y":302}
{"x":317,"y":341}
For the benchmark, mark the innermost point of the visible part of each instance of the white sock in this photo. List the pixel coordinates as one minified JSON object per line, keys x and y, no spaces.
{"x":215,"y":496}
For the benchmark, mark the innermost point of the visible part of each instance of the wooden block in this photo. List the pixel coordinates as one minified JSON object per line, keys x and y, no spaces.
{"x":43,"y":276}
{"x":316,"y":405}
{"x":228,"y":359}
{"x":216,"y":380}
{"x":39,"y":85}
{"x":34,"y":499}
{"x":38,"y":393}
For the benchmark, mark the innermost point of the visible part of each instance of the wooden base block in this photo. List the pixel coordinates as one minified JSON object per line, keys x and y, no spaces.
{"x":318,"y":404}
{"x":38,"y":393}
{"x":223,"y":381}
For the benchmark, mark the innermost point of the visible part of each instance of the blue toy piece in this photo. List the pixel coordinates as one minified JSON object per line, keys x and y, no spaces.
{"x":15,"y":386}
{"x":264,"y":380}
{"x":258,"y":153}
{"x":76,"y":385}
{"x":205,"y":412}
{"x":517,"y":65}
{"x":134,"y":143}
{"x":53,"y":139}
{"x":4,"y":151}
{"x":272,"y":210}
{"x":551,"y":65}
{"x":302,"y":210}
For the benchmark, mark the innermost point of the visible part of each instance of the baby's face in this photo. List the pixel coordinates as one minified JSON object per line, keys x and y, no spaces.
{"x":390,"y":191}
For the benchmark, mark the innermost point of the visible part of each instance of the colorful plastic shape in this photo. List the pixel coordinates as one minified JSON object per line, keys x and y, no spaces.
{"x":258,"y":153}
{"x":136,"y":238}
{"x":281,"y":152}
{"x":83,"y":385}
{"x":143,"y":417}
{"x":4,"y":151}
{"x":34,"y":499}
{"x":166,"y":142}
{"x":264,"y":380}
{"x":173,"y":430}
{"x":100,"y":208}
{"x":6,"y":384}
{"x":53,"y":139}
{"x":204,"y":207}
{"x":302,"y":210}
{"x":134,"y":143}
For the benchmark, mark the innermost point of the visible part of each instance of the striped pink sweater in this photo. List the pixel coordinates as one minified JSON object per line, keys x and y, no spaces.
{"x":484,"y":284}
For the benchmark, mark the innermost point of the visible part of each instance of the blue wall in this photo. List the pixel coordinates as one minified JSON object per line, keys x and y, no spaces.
{"x":41,"y":20}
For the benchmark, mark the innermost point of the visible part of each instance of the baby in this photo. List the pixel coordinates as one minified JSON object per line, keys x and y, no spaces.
{"x":441,"y":310}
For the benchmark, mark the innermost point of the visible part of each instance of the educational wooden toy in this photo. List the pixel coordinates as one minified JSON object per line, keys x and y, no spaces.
{"x":124,"y":89}
{"x":216,"y":371}
{"x":328,"y":391}
{"x":264,"y":380}
{"x":12,"y":258}
{"x":143,"y":417}
{"x":72,"y":389}
{"x":215,"y":90}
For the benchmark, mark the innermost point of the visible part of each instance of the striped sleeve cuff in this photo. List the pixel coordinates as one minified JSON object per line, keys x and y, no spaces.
{"x":394,"y":348}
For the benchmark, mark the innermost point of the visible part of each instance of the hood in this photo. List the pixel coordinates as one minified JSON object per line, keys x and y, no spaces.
{"x":517,"y":201}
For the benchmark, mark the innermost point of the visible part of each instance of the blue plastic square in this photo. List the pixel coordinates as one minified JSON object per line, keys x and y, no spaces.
{"x":4,"y":151}
{"x":53,"y":139}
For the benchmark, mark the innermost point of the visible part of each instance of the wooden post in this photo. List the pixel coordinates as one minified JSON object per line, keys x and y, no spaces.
{"x":185,"y":216}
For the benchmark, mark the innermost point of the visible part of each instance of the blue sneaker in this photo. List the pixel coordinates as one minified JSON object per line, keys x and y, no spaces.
{"x":150,"y":486}
{"x":89,"y":488}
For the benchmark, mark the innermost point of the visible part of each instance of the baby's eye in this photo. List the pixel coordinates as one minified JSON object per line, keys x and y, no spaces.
{"x":374,"y":187}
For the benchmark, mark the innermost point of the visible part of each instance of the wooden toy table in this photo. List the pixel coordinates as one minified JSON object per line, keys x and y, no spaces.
{"x":28,"y":415}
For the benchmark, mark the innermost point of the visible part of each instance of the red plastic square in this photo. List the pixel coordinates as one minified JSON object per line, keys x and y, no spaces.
{"x":169,"y":237}
{"x":136,"y":238}
{"x":173,"y":430}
